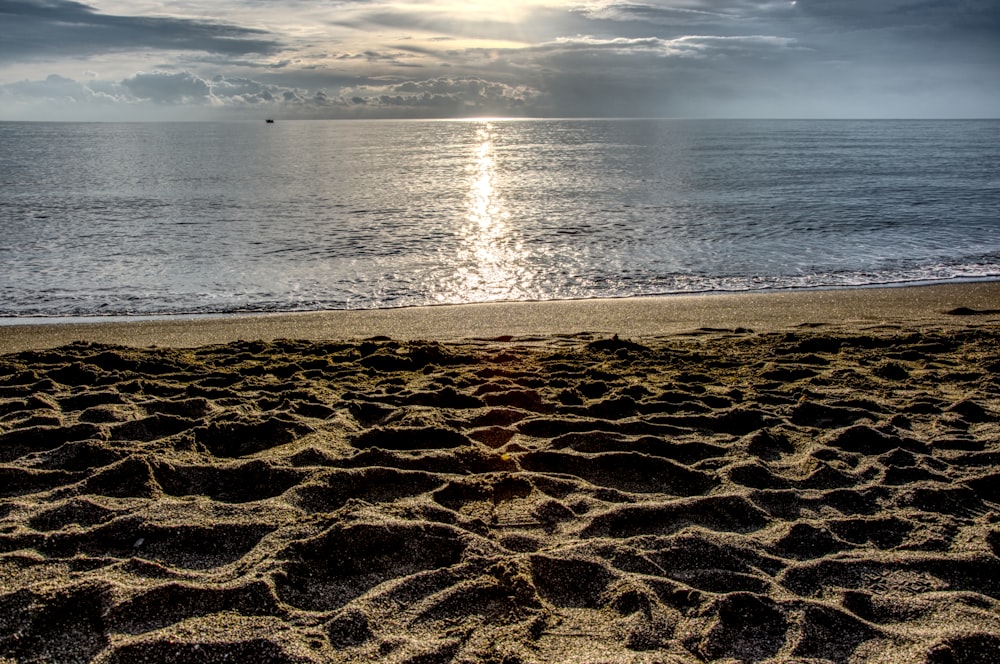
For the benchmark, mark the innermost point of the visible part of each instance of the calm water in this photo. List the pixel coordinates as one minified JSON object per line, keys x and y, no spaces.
{"x":174,"y":218}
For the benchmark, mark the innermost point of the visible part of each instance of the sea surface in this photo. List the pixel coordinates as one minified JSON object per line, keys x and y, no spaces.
{"x":152,"y":219}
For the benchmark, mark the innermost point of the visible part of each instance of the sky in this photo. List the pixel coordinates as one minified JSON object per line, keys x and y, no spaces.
{"x":250,"y":59}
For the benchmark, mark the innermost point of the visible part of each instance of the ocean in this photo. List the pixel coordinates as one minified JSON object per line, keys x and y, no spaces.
{"x":156,"y":218}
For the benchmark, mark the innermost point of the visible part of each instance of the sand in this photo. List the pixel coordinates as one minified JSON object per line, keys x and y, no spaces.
{"x":814,"y":481}
{"x":626,"y":317}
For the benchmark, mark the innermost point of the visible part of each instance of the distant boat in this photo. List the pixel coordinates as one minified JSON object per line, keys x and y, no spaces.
{"x":269,"y":121}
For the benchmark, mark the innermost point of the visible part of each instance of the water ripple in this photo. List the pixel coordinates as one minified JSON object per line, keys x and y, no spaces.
{"x":164,"y":218}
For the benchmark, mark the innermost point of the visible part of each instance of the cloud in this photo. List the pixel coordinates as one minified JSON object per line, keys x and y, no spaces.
{"x":691,"y":46}
{"x":59,"y":89}
{"x":418,"y":98}
{"x":587,"y":75}
{"x":976,"y":15}
{"x":160,"y":88}
{"x":164,"y":88}
{"x":686,"y":13}
{"x":403,"y":58}
{"x":904,"y":31}
{"x":59,"y":28}
{"x":461,"y":96}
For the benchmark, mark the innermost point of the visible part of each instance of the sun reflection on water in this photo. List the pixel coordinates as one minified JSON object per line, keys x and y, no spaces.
{"x":491,"y":259}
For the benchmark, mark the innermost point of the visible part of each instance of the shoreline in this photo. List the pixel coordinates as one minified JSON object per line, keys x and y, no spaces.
{"x":639,"y":317}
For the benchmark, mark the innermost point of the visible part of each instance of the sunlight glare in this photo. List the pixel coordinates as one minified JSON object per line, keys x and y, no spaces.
{"x":492,"y":259}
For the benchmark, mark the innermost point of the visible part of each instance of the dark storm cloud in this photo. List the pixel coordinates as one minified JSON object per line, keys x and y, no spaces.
{"x":57,"y":28}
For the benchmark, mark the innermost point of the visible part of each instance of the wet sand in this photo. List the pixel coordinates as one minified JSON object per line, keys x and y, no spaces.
{"x":804,"y":477}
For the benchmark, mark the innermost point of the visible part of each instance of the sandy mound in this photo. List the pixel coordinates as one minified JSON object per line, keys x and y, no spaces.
{"x":816,"y":496}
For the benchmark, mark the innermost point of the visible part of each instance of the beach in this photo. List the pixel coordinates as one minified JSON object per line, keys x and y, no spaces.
{"x":804,"y":476}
